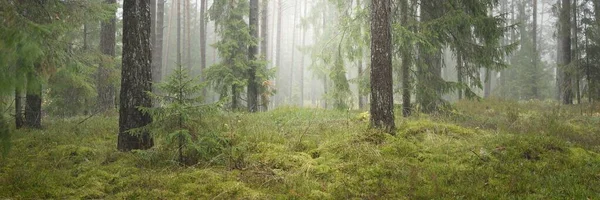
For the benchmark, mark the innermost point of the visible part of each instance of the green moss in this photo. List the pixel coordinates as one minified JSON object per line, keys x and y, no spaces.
{"x":423,"y":127}
{"x":296,"y":153}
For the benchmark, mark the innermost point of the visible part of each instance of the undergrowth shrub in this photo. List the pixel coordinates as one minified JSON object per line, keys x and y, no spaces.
{"x":179,"y":115}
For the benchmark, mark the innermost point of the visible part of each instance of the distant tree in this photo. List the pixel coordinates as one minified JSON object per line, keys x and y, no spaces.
{"x":406,"y":65}
{"x":264,"y":49}
{"x":252,"y":89}
{"x":203,"y":45}
{"x":136,"y":76}
{"x":33,"y":101}
{"x":230,"y":75}
{"x":382,"y":99}
{"x":564,"y":59}
{"x":106,"y":89}
{"x":157,"y":37}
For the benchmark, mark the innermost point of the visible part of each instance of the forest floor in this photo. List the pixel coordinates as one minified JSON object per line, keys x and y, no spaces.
{"x":481,"y":150}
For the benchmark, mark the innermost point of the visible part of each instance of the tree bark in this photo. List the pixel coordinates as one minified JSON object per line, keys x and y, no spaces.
{"x":158,"y":51}
{"x":264,"y":29}
{"x":106,"y":90}
{"x":179,"y":32}
{"x":406,"y":63}
{"x":252,"y":57}
{"x":33,"y":102}
{"x":19,"y":108}
{"x":487,"y":84}
{"x":382,"y":97}
{"x":157,"y":12}
{"x":534,"y":79}
{"x":153,"y":37}
{"x":459,"y":74}
{"x":136,"y":76}
{"x":575,"y":53}
{"x":565,"y":39}
{"x":203,"y":43}
{"x":188,"y":30}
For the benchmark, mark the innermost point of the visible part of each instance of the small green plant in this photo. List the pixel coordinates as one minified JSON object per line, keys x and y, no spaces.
{"x":179,"y":111}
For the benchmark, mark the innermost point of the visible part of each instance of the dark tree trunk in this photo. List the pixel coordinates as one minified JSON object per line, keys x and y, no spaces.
{"x":153,"y":38}
{"x":106,"y":90}
{"x":19,"y":108}
{"x":406,"y":63}
{"x":252,"y":54}
{"x":565,"y":39}
{"x":235,"y":98}
{"x":33,"y":102}
{"x":382,"y":96}
{"x":575,"y":53}
{"x":429,"y":80}
{"x":136,"y":76}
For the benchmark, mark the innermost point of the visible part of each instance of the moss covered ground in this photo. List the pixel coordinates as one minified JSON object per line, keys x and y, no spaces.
{"x":480,"y":150}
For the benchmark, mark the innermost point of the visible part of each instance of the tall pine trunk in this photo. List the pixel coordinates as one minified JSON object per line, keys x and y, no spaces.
{"x":33,"y":102}
{"x":203,"y":44}
{"x":136,"y":76}
{"x":153,"y":38}
{"x":575,"y":53}
{"x":179,"y":61}
{"x":157,"y":12}
{"x":565,"y":40}
{"x":406,"y":63}
{"x":382,"y":96}
{"x":293,"y":64}
{"x":252,"y":57}
{"x":534,"y":79}
{"x":106,"y":89}
{"x":157,"y":58}
{"x":302,"y":58}
{"x":188,"y":31}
